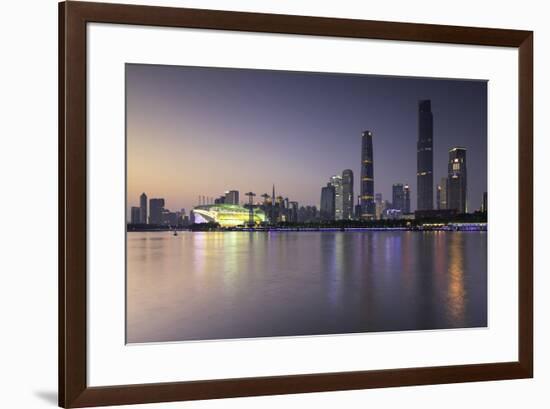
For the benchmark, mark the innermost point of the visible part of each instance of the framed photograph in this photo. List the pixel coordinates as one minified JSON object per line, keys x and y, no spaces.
{"x":255,"y":204}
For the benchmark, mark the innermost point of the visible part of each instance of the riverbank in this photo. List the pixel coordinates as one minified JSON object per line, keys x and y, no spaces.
{"x":421,"y":228}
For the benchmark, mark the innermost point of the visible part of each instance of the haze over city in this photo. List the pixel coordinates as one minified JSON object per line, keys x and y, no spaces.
{"x":201,"y":131}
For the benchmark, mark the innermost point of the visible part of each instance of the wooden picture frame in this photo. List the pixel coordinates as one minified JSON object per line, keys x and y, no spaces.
{"x":73,"y":388}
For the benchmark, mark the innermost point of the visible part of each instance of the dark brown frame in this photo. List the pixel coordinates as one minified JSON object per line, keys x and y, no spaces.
{"x":73,"y":388}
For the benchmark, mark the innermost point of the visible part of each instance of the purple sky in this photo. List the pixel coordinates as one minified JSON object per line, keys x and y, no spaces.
{"x":200,"y":131}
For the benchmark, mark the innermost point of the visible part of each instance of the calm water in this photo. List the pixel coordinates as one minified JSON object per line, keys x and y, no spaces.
{"x":214,"y":285}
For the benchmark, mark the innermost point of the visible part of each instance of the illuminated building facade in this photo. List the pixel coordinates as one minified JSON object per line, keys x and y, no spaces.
{"x":407,"y":199}
{"x":227,"y":215}
{"x":358,"y":208}
{"x":457,"y":180}
{"x":336,"y":182}
{"x":347,"y":194}
{"x":398,"y":197}
{"x":442,"y":194}
{"x":424,"y":156}
{"x":368,"y":208}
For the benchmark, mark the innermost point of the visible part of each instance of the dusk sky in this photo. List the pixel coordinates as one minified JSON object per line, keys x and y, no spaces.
{"x":201,"y":131}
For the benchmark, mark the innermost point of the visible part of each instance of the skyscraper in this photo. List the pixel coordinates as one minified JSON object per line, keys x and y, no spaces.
{"x":424,"y":156}
{"x":358,"y":211}
{"x":273,"y":211}
{"x":398,"y":197}
{"x":347,"y":189}
{"x":293,"y":211}
{"x":457,"y":180}
{"x":232,"y":197}
{"x":143,"y":208}
{"x":407,"y":193}
{"x":336,"y":182}
{"x":484,"y":203}
{"x":328,"y":202}
{"x":156,"y":210}
{"x":135,"y":215}
{"x":442,"y":194}
{"x":379,"y":205}
{"x":368,"y":208}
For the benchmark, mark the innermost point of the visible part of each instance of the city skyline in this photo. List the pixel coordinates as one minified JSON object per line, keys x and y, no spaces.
{"x":176,"y":150}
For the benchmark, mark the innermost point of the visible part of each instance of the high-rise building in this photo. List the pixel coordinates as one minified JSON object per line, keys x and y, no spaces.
{"x":358,"y":210}
{"x":347,"y":192}
{"x":441,"y":194}
{"x":273,"y":213}
{"x":293,"y":212}
{"x":407,"y":193}
{"x":398,"y":197}
{"x":336,"y":182}
{"x":156,"y":210}
{"x":143,"y":208}
{"x":135,"y":215}
{"x":328,"y":202}
{"x":368,"y":208}
{"x":379,"y":205}
{"x":484,"y":203}
{"x":385,"y":208}
{"x":457,"y":180}
{"x":278,"y":209}
{"x":424,"y":156}
{"x":232,"y":197}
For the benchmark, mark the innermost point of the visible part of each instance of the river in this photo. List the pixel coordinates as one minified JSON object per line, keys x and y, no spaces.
{"x":222,"y":285}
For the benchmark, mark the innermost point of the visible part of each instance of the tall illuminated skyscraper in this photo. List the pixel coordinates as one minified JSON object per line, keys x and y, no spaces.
{"x":347,"y":189}
{"x":457,"y":180}
{"x":398,"y":197}
{"x":368,"y":209}
{"x":407,"y":199}
{"x":336,"y":182}
{"x":357,"y":210}
{"x":424,"y":156}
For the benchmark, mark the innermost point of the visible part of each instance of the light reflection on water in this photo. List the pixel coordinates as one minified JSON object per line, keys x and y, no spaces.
{"x":219,"y":285}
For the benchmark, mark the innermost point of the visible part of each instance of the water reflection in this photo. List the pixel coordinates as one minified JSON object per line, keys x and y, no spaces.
{"x":214,"y":285}
{"x":456,"y":290}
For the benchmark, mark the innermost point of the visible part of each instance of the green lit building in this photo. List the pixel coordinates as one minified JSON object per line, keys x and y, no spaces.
{"x":227,"y":215}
